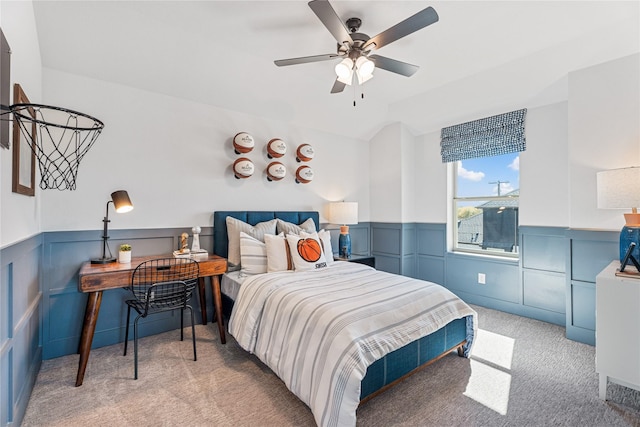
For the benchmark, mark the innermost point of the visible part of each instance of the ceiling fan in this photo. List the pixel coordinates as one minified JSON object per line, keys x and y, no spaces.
{"x":356,"y":48}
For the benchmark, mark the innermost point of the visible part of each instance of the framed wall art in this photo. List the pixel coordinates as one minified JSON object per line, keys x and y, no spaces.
{"x":24,"y":158}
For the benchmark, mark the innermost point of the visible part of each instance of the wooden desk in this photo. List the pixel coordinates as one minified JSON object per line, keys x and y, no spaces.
{"x":95,"y":278}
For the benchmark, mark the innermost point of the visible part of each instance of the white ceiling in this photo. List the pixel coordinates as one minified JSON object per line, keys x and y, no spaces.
{"x":481,"y":57}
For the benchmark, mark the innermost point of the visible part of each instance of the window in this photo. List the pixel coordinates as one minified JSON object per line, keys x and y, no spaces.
{"x":485,"y":205}
{"x":486,"y":182}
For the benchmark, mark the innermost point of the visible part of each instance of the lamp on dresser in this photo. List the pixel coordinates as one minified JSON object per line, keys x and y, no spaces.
{"x":122,"y":203}
{"x":620,"y":189}
{"x":344,"y":213}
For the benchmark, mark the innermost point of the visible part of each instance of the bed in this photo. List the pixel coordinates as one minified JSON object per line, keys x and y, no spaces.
{"x":289,"y":321}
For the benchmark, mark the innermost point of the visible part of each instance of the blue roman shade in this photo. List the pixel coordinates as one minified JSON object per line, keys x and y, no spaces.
{"x":491,"y":136}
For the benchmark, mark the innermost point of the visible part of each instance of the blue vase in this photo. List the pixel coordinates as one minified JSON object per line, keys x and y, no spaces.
{"x":344,"y":245}
{"x":628,"y":235}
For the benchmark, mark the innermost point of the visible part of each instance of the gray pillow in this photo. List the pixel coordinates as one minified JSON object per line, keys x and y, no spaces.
{"x":235,"y":226}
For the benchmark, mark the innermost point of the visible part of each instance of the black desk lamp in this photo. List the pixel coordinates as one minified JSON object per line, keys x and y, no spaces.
{"x":122,"y":203}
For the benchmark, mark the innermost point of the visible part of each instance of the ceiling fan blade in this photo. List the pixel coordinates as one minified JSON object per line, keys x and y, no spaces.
{"x":393,"y":65}
{"x":414,"y":23}
{"x":305,"y":59}
{"x":338,"y":87}
{"x":331,"y":20}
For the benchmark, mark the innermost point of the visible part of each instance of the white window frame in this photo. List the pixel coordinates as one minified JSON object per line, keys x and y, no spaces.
{"x":454,"y":200}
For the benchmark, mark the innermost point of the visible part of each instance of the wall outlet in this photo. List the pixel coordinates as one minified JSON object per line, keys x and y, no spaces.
{"x":482,"y":279}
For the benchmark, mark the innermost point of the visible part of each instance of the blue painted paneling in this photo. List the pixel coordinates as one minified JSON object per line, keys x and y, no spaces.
{"x":20,"y":326}
{"x":360,"y":244}
{"x":543,"y":249}
{"x":408,"y":239}
{"x":502,"y":277}
{"x":430,"y":269}
{"x":388,"y":264}
{"x":544,"y":290}
{"x":584,"y":302}
{"x":431,"y":239}
{"x":589,"y":251}
{"x":386,"y":239}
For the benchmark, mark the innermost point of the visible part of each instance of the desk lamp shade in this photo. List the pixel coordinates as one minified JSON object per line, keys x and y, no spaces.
{"x":344,"y":213}
{"x":620,"y":189}
{"x":121,"y":203}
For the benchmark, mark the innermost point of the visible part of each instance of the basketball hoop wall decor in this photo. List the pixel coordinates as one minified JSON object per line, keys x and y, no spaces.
{"x":63,"y":137}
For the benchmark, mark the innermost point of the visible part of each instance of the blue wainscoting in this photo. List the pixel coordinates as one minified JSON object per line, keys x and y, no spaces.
{"x":393,"y":245}
{"x":553,"y":281}
{"x":588,"y":252}
{"x":20,"y":326}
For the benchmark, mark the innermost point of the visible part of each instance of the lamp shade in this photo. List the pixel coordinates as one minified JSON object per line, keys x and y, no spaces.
{"x":343,"y":213}
{"x":620,"y":189}
{"x":121,"y":201}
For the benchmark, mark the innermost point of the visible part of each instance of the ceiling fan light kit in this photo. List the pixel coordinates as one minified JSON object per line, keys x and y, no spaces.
{"x":355,"y":48}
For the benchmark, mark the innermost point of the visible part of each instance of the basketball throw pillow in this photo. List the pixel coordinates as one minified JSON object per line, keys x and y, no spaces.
{"x":306,"y":252}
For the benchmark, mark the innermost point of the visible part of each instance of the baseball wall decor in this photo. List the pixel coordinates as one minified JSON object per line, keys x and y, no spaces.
{"x":243,"y":143}
{"x":304,"y":153}
{"x":276,"y":171}
{"x":276,"y":148}
{"x":304,"y":174}
{"x":243,"y":168}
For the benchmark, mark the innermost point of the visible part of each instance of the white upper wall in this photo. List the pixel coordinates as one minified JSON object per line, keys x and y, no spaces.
{"x":174,"y":158}
{"x":19,"y":214}
{"x":604,"y":133}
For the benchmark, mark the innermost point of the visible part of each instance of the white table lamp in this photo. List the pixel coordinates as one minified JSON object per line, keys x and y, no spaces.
{"x":620,"y":189}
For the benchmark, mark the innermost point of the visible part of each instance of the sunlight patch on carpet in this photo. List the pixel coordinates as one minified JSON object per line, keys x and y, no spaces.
{"x":494,"y":348}
{"x":490,"y":380}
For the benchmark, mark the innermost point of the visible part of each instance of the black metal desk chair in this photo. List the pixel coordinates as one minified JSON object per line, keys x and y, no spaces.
{"x":160,"y":285}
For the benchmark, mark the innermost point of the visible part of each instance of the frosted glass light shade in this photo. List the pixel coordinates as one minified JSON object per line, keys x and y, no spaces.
{"x":365,"y":66}
{"x":620,"y":189}
{"x":343,"y":213}
{"x":344,"y":68}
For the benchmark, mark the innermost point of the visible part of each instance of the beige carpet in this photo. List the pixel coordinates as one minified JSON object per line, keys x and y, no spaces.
{"x":522,"y":372}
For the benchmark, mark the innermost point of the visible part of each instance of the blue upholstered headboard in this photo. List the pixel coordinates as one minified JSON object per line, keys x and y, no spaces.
{"x":221,"y":239}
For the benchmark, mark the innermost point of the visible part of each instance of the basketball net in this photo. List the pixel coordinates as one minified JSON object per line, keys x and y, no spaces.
{"x":59,"y":138}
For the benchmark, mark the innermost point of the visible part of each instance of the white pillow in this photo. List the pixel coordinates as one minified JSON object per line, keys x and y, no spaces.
{"x":278,"y":254}
{"x":306,"y":252}
{"x":325,"y":237}
{"x":290,"y":228}
{"x":253,"y":255}
{"x":235,"y":226}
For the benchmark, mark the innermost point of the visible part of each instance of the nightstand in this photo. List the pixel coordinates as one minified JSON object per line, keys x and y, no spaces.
{"x":360,"y":259}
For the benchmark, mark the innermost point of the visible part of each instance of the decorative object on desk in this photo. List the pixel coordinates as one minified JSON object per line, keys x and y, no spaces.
{"x":243,"y":168}
{"x":63,"y":138}
{"x":620,"y":189}
{"x":276,"y":148}
{"x":23,"y":179}
{"x":124,"y":254}
{"x":195,"y":244}
{"x":243,"y":143}
{"x":196,"y":252}
{"x":276,"y":171}
{"x":344,"y":213}
{"x":304,"y":153}
{"x":122,"y":204}
{"x":304,"y":175}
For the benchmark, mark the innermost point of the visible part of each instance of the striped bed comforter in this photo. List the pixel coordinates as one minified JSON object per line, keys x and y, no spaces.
{"x":320,"y":330}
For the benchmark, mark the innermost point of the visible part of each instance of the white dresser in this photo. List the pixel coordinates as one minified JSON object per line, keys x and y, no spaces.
{"x":617,"y":329}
